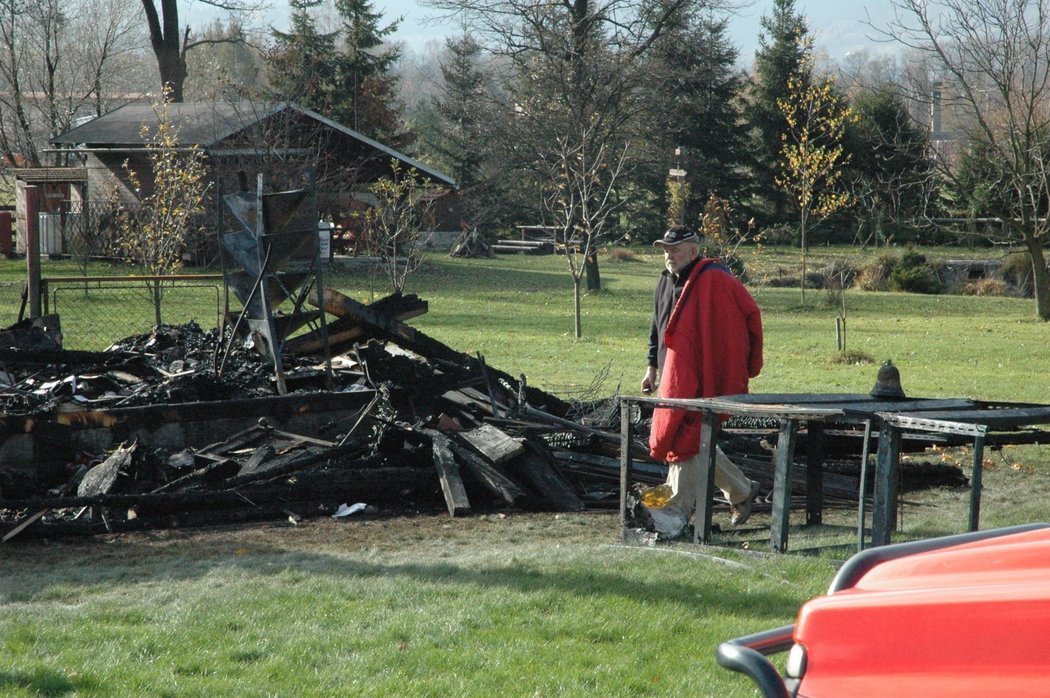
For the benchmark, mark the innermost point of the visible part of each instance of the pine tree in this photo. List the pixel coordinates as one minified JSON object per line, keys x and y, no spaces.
{"x":456,"y":142}
{"x":695,"y":110}
{"x":368,"y":101}
{"x":889,"y":162}
{"x":780,"y":56}
{"x":302,"y":62}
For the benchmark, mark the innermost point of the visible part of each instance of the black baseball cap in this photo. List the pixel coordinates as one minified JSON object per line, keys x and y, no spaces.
{"x":676,"y":235}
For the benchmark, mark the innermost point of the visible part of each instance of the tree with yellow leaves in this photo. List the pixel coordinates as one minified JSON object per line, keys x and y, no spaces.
{"x":812,"y":155}
{"x":168,"y":221}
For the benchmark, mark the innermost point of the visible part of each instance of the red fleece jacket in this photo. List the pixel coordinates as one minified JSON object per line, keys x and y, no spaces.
{"x":714,"y":346}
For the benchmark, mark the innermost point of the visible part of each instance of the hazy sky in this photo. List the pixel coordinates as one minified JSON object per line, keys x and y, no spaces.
{"x":836,"y":25}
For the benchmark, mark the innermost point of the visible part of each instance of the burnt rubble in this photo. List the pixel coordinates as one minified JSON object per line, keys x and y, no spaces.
{"x":181,"y":427}
{"x":402,"y":422}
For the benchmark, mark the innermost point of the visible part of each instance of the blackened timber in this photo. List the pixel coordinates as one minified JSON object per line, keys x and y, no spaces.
{"x":539,"y":469}
{"x":65,"y":357}
{"x":448,"y":473}
{"x":101,"y":478}
{"x":487,"y":475}
{"x":354,"y":319}
{"x":278,"y":407}
{"x":322,"y":487}
{"x":383,"y":327}
{"x":377,"y":316}
{"x":493,"y":443}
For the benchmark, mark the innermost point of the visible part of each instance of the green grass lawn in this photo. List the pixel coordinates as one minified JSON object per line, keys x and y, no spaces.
{"x":522,"y":604}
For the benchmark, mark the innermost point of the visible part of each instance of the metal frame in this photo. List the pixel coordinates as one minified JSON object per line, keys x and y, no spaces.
{"x":889,"y":416}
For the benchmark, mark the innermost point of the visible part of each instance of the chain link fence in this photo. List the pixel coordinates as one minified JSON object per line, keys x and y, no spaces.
{"x":97,"y":312}
{"x":11,"y":302}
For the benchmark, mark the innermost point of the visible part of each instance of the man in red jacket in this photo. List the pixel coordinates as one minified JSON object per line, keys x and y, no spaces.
{"x":705,"y":340}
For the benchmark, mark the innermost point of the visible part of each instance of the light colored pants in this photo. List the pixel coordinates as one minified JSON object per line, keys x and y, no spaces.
{"x":684,"y":477}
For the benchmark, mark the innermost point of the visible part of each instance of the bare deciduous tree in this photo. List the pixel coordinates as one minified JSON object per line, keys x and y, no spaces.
{"x":171,"y":40}
{"x":573,"y":90}
{"x":582,"y":200}
{"x":992,"y":59}
{"x":395,"y":225}
{"x":57,"y":61}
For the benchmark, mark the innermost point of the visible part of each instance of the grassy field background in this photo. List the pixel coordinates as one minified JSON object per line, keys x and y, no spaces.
{"x":511,"y":604}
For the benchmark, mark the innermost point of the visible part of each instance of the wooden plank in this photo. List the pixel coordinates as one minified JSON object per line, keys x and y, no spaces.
{"x":495,"y":481}
{"x":783,"y":461}
{"x":538,"y":468}
{"x":354,"y":320}
{"x":494,"y":444}
{"x":815,"y":475}
{"x":887,"y":463}
{"x":481,"y":397}
{"x":705,"y":482}
{"x":626,"y":462}
{"x":448,"y":473}
{"x":993,"y":418}
{"x":25,"y":523}
{"x":459,"y":398}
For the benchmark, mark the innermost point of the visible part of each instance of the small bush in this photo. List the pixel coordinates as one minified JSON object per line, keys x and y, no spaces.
{"x":915,"y":280}
{"x":1016,"y":272}
{"x":839,"y":274}
{"x":781,"y":280}
{"x":853,"y":357}
{"x":780,"y":235}
{"x":875,"y":276}
{"x":912,"y":274}
{"x":621,"y":254}
{"x":985,"y":287}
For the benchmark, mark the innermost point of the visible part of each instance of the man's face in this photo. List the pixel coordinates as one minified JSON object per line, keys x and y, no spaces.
{"x":677,"y":256}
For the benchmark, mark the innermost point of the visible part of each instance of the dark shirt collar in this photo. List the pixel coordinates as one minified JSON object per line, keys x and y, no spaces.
{"x":680,"y":277}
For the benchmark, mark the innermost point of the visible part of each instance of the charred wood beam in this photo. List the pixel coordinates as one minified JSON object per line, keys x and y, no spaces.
{"x":353,"y":323}
{"x":448,"y":474}
{"x":495,"y":481}
{"x":539,"y":469}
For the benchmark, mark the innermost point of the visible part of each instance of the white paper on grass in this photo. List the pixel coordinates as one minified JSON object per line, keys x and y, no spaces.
{"x":345,"y":510}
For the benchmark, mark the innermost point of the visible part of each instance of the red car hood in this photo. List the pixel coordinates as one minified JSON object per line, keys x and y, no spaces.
{"x":972,"y":619}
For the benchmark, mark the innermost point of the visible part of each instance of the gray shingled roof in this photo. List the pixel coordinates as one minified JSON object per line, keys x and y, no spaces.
{"x":205,"y":124}
{"x":199,"y":123}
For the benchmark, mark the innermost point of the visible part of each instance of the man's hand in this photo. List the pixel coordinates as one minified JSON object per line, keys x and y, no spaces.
{"x":649,"y":382}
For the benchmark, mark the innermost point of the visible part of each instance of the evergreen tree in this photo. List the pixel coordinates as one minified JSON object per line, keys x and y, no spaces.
{"x":889,"y":157}
{"x":695,"y":111}
{"x":302,"y":62}
{"x":368,"y":101}
{"x":779,"y":56}
{"x":456,"y":142}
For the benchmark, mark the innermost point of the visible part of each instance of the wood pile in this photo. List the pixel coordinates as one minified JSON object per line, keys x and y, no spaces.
{"x":471,"y":243}
{"x":438,"y":430}
{"x":431,"y":429}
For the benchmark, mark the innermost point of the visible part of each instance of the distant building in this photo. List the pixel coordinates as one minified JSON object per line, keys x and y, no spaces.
{"x":286,"y":144}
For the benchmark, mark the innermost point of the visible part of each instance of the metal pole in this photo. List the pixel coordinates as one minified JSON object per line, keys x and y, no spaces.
{"x":32,"y":200}
{"x":625,"y":461}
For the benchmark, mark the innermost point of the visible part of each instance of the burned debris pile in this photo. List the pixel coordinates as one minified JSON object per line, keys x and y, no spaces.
{"x":183,"y":427}
{"x":171,"y":429}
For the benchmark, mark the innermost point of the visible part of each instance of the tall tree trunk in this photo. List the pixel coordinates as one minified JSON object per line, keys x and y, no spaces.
{"x":594,"y":277}
{"x":1040,"y":276}
{"x":166,"y":41}
{"x":805,"y":251}
{"x":577,"y":319}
